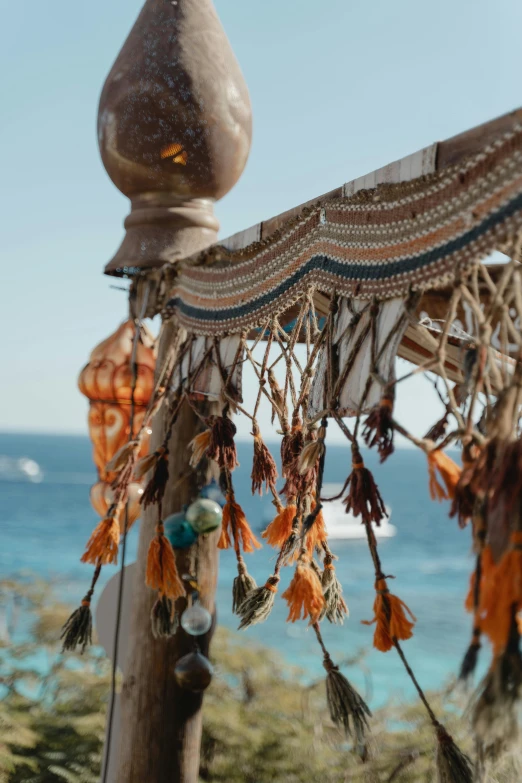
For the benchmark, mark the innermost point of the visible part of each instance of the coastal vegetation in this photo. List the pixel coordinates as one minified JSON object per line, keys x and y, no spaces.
{"x":263,"y":721}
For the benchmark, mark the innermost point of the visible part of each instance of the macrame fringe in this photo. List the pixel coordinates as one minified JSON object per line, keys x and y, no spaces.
{"x":258,"y":604}
{"x":235,"y":524}
{"x":390,"y":618}
{"x":378,"y":429}
{"x":155,"y":489}
{"x":162,"y":573}
{"x":449,"y":472}
{"x":451,"y":764}
{"x":102,"y":547}
{"x":347,"y":708}
{"x":77,"y":631}
{"x":264,"y":469}
{"x":243,"y":585}
{"x":364,"y":499}
{"x":163,"y":619}
{"x":304,"y":595}
{"x":280,"y":529}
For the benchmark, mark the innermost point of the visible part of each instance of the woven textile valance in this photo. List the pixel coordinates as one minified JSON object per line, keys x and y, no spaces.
{"x":381,"y":243}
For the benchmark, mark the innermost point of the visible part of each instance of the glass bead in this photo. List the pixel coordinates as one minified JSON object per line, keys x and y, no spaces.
{"x":213,"y":492}
{"x":179,"y":532}
{"x":204,"y":515}
{"x":196,"y":620}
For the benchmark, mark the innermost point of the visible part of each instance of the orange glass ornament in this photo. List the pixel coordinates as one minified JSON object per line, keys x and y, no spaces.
{"x":102,"y":497}
{"x":107,"y":381}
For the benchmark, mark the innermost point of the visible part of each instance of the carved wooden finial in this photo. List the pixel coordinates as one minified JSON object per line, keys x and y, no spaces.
{"x":174,"y":129}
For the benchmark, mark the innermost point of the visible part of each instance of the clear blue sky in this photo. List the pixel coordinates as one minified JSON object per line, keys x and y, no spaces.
{"x":338,"y":89}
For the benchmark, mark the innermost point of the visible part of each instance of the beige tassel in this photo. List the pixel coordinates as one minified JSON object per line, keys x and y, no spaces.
{"x":122,"y":456}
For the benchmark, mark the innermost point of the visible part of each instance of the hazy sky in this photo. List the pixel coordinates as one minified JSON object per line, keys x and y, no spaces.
{"x":338,"y":89}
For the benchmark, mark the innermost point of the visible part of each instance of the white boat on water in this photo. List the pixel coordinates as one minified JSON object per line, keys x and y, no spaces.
{"x":341,"y":525}
{"x":20,"y":469}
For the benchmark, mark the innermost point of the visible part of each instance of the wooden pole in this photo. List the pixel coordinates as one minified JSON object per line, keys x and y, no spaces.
{"x":174,"y":134}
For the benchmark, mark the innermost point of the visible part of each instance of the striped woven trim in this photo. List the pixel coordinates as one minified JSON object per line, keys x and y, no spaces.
{"x":383,"y":242}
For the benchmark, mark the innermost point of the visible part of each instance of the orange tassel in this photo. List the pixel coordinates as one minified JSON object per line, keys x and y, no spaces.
{"x":304,"y":595}
{"x":162,"y":574}
{"x":102,"y":547}
{"x":235,"y":522}
{"x":317,"y":534}
{"x":390,"y":616}
{"x":280,"y":528}
{"x":200,"y":446}
{"x":448,"y":470}
{"x":506,"y":592}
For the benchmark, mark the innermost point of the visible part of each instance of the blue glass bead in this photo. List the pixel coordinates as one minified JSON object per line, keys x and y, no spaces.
{"x":204,"y":515}
{"x":179,"y":532}
{"x":213,"y":492}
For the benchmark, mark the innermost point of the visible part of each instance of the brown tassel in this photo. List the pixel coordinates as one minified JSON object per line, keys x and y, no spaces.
{"x":234,"y":522}
{"x":448,"y":470}
{"x":364,"y":498}
{"x":163,"y":620}
{"x":390,"y":615}
{"x":291,"y":447}
{"x":162,"y":573}
{"x":199,"y":447}
{"x":279,"y":530}
{"x":258,"y":604}
{"x":347,"y":708}
{"x":264,"y":469}
{"x":148,"y":463}
{"x":335,"y":609}
{"x":155,"y":489}
{"x":304,"y":594}
{"x":102,"y":547}
{"x":277,"y":395}
{"x":451,"y":764}
{"x":243,"y":585}
{"x":222,"y":448}
{"x":438,"y":430}
{"x":122,"y":457}
{"x":464,"y":501}
{"x":469,"y":662}
{"x":378,"y":429}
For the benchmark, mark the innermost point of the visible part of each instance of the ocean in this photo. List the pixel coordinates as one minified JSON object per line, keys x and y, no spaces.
{"x":45,"y":524}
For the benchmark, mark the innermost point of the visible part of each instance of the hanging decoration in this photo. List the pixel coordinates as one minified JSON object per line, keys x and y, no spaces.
{"x":354,"y":274}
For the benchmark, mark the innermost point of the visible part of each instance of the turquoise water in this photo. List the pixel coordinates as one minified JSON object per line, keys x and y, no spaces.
{"x":45,"y":526}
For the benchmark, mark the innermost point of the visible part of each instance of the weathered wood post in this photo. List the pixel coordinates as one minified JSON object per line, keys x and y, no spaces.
{"x":174,"y":134}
